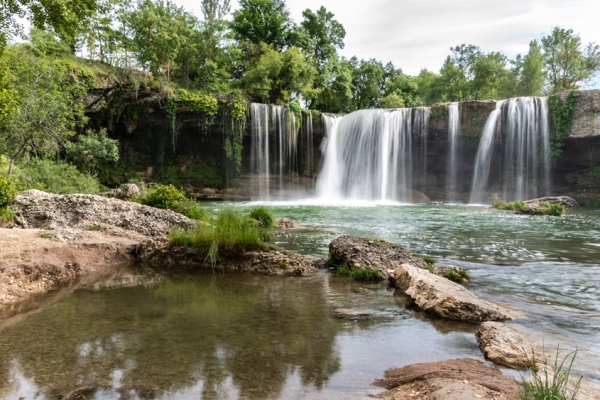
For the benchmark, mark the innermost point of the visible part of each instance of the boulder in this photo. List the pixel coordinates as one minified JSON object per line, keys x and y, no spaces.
{"x":444,"y":298}
{"x":37,"y":209}
{"x":462,"y":379}
{"x":565,"y":201}
{"x":127,"y":191}
{"x":358,"y":252}
{"x":286,"y":223}
{"x":506,"y":345}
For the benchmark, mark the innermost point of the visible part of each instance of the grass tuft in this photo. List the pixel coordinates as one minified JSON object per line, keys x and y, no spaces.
{"x":429,"y":260}
{"x":359,"y":274}
{"x":551,"y":382}
{"x":229,"y":234}
{"x":264,"y":216}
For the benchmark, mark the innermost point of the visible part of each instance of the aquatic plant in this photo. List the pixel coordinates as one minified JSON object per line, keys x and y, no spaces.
{"x":229,"y":234}
{"x":551,"y":382}
{"x":359,"y":274}
{"x":264,"y":216}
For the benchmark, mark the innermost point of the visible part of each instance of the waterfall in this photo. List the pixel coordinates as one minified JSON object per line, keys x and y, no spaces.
{"x":520,"y":168}
{"x":453,"y":127}
{"x":274,"y":156}
{"x":368,"y":155}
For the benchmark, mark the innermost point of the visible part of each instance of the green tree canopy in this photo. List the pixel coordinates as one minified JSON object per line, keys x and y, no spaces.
{"x":568,"y":64}
{"x":263,"y":21}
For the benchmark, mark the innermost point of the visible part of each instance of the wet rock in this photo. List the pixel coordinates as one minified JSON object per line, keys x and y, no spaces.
{"x":446,"y":299}
{"x":275,"y":261}
{"x":37,"y":209}
{"x":358,"y":252}
{"x":565,"y":201}
{"x":506,"y":345}
{"x":286,"y":223}
{"x":462,"y":379}
{"x":127,"y":191}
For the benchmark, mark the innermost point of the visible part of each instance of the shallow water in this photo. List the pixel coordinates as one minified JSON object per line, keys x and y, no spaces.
{"x":244,"y":336}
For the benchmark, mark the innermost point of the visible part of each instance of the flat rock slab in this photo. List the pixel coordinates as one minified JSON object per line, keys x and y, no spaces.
{"x":506,"y":345}
{"x":41,"y":210}
{"x":462,"y":379}
{"x":565,"y":201}
{"x":359,"y":252}
{"x":444,"y":298}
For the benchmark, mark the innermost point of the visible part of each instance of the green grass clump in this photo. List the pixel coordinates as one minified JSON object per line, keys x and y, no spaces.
{"x":429,"y":260}
{"x":551,"y":382}
{"x":546,"y":208}
{"x":229,"y":234}
{"x":264,"y":216}
{"x":500,"y":204}
{"x":6,"y":215}
{"x":359,"y":274}
{"x":458,"y":277}
{"x":515,"y":205}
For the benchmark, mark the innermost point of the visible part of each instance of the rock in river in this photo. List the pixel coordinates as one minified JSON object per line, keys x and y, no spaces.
{"x":444,"y":298}
{"x":506,"y":345}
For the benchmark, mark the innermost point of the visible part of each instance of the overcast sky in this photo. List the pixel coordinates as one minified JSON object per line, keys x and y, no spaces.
{"x":416,"y":34}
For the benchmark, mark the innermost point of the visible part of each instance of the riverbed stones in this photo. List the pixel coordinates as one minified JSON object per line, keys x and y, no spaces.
{"x":356,"y":252}
{"x":37,"y":209}
{"x":462,"y":379}
{"x":507,"y":345}
{"x":444,"y":298}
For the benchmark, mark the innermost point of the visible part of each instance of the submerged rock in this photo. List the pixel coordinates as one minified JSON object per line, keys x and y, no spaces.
{"x":505,"y":345}
{"x":446,"y":299}
{"x":37,"y":209}
{"x":462,"y":379}
{"x":359,"y":253}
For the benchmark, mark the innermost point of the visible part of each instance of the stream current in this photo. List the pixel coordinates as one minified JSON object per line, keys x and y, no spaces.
{"x":137,"y":334}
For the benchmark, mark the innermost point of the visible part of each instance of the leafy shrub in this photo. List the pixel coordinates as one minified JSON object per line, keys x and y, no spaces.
{"x":516,"y":205}
{"x":56,"y":177}
{"x":497,"y":202}
{"x":8,"y":190}
{"x":545,"y":208}
{"x":264,"y":216}
{"x":168,"y":197}
{"x":229,"y":234}
{"x":6,"y":215}
{"x":93,"y":151}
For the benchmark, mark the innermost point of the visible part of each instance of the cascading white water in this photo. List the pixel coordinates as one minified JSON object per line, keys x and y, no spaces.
{"x":368,"y":155}
{"x":453,"y":127}
{"x":274,"y":149}
{"x":523,"y":170}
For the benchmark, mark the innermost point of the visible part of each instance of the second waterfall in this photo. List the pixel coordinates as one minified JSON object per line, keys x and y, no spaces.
{"x":374,"y":155}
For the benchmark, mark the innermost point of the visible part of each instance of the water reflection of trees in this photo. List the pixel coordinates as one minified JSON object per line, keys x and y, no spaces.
{"x":254,"y":330}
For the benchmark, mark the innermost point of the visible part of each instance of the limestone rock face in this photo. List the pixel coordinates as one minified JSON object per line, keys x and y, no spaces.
{"x":565,"y":201}
{"x":444,"y":298}
{"x":37,"y":209}
{"x":505,"y":345}
{"x":364,"y":253}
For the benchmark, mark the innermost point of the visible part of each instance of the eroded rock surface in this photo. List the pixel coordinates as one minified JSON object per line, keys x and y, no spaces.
{"x":444,"y":298}
{"x":565,"y":201}
{"x":286,"y":223}
{"x":462,"y":379}
{"x":359,"y":252}
{"x":506,"y":345}
{"x":37,"y":209}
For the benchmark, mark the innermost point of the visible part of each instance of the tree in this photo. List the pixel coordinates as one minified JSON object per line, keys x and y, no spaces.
{"x":280,"y":77}
{"x":9,"y":98}
{"x":429,"y":88}
{"x":47,"y":115}
{"x":367,"y":78}
{"x":65,"y":17}
{"x":567,"y":65}
{"x":93,"y":151}
{"x":159,"y":31}
{"x":214,"y":10}
{"x":262,"y":21}
{"x":321,"y":36}
{"x":335,"y":95}
{"x":531,"y":76}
